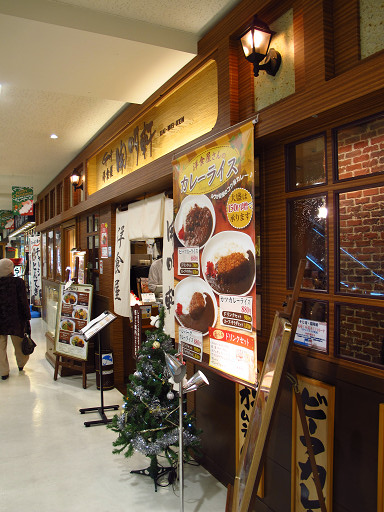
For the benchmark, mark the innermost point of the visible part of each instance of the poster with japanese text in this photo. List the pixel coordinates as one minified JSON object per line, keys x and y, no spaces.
{"x":35,"y":270}
{"x":214,"y":251}
{"x":22,"y":200}
{"x":104,"y":239}
{"x":74,"y":313}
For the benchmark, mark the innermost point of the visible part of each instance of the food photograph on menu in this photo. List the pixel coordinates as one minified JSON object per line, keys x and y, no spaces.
{"x":74,"y":315}
{"x":214,"y":253}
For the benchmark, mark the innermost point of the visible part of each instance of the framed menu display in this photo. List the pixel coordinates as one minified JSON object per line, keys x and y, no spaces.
{"x":74,"y":314}
{"x":214,"y":253}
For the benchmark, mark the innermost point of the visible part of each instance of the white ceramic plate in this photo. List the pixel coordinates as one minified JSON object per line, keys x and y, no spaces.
{"x":186,"y":288}
{"x":223,"y":244}
{"x":186,"y":205}
{"x":76,"y":337}
{"x":80,"y":308}
{"x":69,"y":322}
{"x":67,"y":295}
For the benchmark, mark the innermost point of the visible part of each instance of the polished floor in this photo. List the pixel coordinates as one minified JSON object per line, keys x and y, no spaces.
{"x":50,"y":462}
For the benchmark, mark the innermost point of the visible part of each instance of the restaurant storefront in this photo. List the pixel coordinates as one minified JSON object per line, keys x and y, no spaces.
{"x":317,"y":194}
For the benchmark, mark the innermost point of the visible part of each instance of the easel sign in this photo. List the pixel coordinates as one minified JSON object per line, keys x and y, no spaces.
{"x":74,"y":306}
{"x":250,"y":461}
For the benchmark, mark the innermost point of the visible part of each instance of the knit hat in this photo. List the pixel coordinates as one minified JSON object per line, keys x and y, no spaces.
{"x":6,"y":267}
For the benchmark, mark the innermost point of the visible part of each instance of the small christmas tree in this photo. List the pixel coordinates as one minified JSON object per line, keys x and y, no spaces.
{"x":149,"y":422}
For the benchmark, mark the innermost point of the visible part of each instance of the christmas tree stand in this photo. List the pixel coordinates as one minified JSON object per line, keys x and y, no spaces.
{"x":158,"y":473}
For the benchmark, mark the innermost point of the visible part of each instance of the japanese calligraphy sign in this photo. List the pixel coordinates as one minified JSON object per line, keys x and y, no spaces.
{"x":122,"y":266}
{"x":35,"y":270}
{"x":168,"y":289}
{"x":22,"y":200}
{"x":73,"y":315}
{"x":319,"y":404}
{"x":380,"y":469}
{"x":186,"y":113}
{"x":245,"y":400}
{"x":214,"y":255}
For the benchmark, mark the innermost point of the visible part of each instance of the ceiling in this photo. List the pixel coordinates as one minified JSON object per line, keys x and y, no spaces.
{"x":67,"y":67}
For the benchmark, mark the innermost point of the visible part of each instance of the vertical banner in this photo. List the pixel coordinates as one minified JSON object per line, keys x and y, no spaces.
{"x":35,"y":270}
{"x":122,"y":266}
{"x":168,"y":286}
{"x":214,"y":254}
{"x":319,"y":405}
{"x":22,"y":200}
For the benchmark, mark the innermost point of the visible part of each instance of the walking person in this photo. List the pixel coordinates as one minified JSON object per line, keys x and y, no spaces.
{"x":15,"y":316}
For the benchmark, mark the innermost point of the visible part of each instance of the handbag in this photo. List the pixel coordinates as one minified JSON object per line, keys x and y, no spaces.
{"x":27,"y":345}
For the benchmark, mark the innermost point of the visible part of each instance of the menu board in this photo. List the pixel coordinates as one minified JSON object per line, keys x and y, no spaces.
{"x":74,"y":314}
{"x":214,"y":253}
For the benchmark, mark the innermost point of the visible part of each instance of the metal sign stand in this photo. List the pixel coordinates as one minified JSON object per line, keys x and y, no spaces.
{"x":94,"y":328}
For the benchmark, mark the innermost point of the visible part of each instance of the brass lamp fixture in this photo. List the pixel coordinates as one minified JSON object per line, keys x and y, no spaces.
{"x":75,"y":180}
{"x":256,"y":41}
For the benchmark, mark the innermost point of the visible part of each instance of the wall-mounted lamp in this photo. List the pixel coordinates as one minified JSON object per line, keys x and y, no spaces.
{"x":75,"y":180}
{"x":255,"y":41}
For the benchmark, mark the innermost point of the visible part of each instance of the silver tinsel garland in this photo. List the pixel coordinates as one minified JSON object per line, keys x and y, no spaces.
{"x":149,"y":448}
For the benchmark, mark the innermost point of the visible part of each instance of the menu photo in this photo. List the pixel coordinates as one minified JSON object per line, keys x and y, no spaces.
{"x":74,"y":315}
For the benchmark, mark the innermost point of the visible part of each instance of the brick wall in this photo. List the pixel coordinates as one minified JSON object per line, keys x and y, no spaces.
{"x":362,"y":333}
{"x":361,"y":216}
{"x":361,"y":239}
{"x":361,"y":149}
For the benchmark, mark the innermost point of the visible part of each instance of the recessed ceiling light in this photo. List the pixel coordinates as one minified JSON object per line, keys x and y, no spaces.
{"x":54,"y":136}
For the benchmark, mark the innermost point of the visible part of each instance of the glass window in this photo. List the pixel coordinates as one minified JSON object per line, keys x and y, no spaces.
{"x":96,"y":222}
{"x":360,"y":333}
{"x":50,"y":254}
{"x":44,"y":253}
{"x":361,"y":246}
{"x":306,"y":163}
{"x":307,"y":228}
{"x":58,"y":253}
{"x":90,"y":224}
{"x":358,"y":148}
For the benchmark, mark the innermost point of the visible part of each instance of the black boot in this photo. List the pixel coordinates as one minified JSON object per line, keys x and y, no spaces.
{"x":4,"y":377}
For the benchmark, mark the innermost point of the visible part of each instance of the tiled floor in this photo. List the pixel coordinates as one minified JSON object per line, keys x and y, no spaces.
{"x":50,"y":462}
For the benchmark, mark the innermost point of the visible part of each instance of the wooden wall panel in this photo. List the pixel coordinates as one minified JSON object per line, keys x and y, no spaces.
{"x":346,"y":25}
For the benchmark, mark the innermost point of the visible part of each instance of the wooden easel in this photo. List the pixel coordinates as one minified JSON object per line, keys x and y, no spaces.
{"x":292,"y":312}
{"x":71,"y":363}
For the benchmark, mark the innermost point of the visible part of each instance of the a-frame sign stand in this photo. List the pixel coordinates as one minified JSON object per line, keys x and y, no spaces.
{"x":247,"y":480}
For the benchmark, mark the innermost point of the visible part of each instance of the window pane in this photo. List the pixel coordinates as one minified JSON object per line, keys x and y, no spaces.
{"x":307,"y":230}
{"x":361,"y":333}
{"x":306,"y":163}
{"x":361,"y":242}
{"x":360,"y":149}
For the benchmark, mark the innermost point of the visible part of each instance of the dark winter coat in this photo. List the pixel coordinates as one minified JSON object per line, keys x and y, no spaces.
{"x":14,"y":308}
